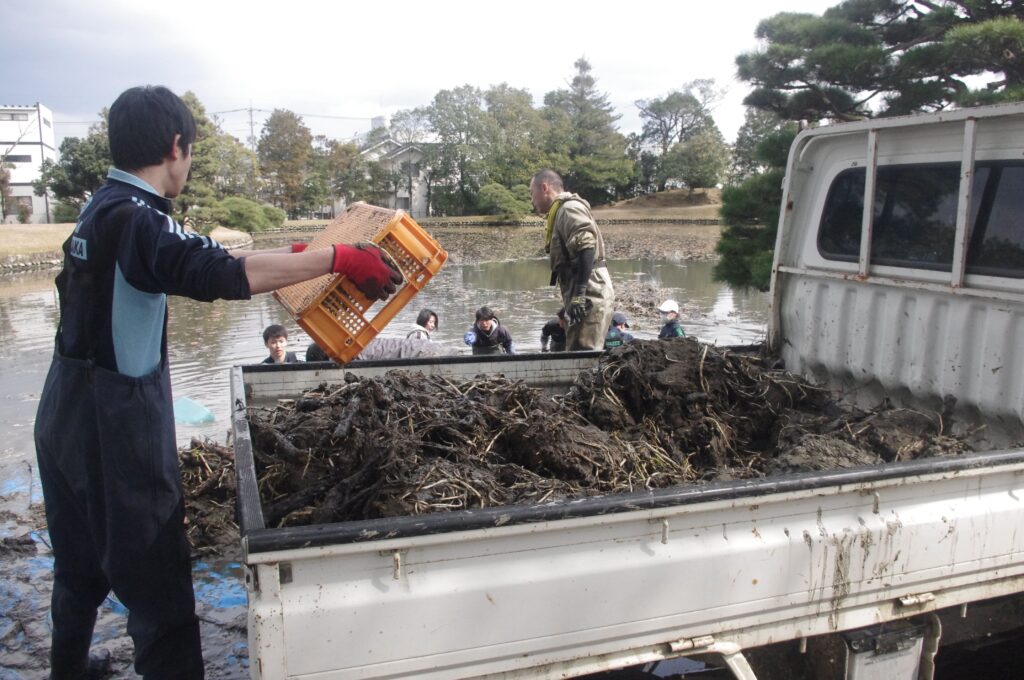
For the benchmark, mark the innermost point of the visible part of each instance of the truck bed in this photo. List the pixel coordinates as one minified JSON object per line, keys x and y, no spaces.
{"x":566,"y":588}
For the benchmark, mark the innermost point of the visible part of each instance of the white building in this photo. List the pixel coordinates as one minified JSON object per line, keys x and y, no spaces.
{"x":26,"y":140}
{"x":407,"y":161}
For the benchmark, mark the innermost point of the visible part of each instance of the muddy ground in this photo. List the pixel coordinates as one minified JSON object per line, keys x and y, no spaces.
{"x":622,"y":241}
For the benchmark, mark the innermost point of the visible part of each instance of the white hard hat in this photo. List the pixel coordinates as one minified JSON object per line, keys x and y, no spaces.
{"x":669,"y":306}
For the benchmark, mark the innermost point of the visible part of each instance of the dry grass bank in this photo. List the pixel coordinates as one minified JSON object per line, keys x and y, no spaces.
{"x":32,"y":239}
{"x":44,"y":241}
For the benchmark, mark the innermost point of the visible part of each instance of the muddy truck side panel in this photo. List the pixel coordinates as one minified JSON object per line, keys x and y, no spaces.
{"x":568,"y":588}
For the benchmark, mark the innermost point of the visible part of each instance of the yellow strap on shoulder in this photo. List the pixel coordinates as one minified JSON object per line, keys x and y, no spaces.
{"x":552,"y":211}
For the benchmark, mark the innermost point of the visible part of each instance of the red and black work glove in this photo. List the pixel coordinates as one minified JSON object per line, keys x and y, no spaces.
{"x":369,"y":268}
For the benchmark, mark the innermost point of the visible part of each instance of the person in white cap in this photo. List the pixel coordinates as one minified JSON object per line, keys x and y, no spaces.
{"x":669,"y":310}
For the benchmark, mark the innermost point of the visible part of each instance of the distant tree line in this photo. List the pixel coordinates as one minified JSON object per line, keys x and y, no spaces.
{"x":480,"y":148}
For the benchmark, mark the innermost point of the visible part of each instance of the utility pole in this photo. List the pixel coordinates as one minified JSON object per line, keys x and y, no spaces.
{"x":255,"y":158}
{"x":252,"y":131}
{"x":39,"y":123}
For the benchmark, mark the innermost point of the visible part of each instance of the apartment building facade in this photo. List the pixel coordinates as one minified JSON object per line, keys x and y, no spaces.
{"x":26,"y":140}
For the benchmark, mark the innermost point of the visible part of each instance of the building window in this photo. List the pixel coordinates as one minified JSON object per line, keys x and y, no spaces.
{"x":12,"y":158}
{"x":915,"y":217}
{"x":46,"y":122}
{"x":14,"y":206}
{"x":13,"y":116}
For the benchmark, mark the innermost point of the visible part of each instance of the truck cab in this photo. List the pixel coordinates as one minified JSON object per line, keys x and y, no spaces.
{"x":899,"y":264}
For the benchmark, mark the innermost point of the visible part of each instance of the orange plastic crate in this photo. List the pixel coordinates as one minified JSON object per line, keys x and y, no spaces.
{"x":332,"y":310}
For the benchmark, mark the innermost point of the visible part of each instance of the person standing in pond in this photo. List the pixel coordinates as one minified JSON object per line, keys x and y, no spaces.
{"x":554,"y":333}
{"x":426,"y":323}
{"x":104,"y":430}
{"x":487,"y":335}
{"x":617,"y":335}
{"x":576,"y":255}
{"x":669,"y":311}
{"x":275,"y":337}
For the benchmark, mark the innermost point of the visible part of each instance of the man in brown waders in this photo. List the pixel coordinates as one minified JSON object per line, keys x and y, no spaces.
{"x":576,"y":252}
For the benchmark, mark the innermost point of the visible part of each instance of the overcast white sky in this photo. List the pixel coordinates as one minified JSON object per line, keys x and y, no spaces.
{"x":354,"y":61}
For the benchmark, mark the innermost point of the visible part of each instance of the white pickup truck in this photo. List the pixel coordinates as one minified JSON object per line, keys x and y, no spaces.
{"x":899,"y":272}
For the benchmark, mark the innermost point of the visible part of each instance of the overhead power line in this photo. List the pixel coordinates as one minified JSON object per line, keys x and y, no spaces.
{"x":304,"y":115}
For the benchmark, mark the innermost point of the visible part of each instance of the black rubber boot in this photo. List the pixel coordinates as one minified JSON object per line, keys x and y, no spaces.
{"x":100,"y":665}
{"x":97,"y":666}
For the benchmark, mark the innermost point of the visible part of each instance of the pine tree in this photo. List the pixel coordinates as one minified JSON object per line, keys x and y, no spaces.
{"x":583,"y":122}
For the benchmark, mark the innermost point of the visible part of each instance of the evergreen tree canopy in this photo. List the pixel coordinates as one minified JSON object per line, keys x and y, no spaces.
{"x":863,"y":58}
{"x":285,"y":151}
{"x":81,"y":169}
{"x":698,"y":162}
{"x":583,"y":123}
{"x":461,"y":128}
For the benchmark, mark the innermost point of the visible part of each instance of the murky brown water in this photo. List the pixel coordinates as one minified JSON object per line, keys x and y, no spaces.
{"x":204,"y":341}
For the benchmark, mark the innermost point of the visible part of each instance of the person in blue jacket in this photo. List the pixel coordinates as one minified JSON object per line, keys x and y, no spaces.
{"x":104,"y":430}
{"x":669,"y":311}
{"x":275,"y":337}
{"x":617,"y":335}
{"x":487,"y":335}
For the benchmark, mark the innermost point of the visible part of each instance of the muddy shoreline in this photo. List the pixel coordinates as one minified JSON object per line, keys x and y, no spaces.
{"x":652,"y":238}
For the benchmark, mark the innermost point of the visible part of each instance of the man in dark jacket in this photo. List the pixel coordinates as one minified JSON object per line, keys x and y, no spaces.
{"x":487,"y":335}
{"x":553,"y":332}
{"x":104,"y":430}
{"x":275,"y":337}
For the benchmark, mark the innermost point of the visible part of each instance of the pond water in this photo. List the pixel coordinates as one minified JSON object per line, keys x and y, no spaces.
{"x":206,"y":339}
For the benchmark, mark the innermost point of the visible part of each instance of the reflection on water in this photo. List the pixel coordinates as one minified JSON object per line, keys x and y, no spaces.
{"x":205,"y":339}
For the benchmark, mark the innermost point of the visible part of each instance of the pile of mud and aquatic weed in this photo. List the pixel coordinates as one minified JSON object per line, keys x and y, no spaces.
{"x":209,"y":481}
{"x":652,"y":414}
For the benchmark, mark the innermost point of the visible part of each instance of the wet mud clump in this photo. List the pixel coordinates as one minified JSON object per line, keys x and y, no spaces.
{"x":652,"y":414}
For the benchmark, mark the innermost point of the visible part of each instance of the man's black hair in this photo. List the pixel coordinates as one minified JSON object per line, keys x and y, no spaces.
{"x":561,"y":313}
{"x":274,"y":331}
{"x":142,"y":124}
{"x":424,"y":317}
{"x":484,"y":313}
{"x":549,"y":176}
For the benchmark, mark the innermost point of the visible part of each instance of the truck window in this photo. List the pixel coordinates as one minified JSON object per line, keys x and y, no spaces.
{"x":915,"y":217}
{"x":996,"y":246}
